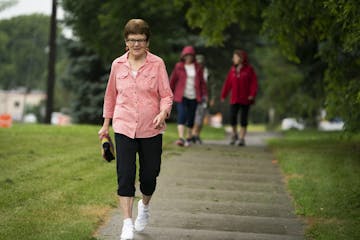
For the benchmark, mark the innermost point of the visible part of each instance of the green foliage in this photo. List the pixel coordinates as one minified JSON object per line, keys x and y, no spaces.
{"x":320,"y":36}
{"x":342,"y":52}
{"x":86,"y":78}
{"x":323,"y":172}
{"x":107,"y":19}
{"x":6,"y":4}
{"x":333,"y":28}
{"x":63,"y":94}
{"x":281,"y":85}
{"x":23,"y":58}
{"x":214,"y":17}
{"x":169,"y":34}
{"x":239,"y":22}
{"x":323,"y":37}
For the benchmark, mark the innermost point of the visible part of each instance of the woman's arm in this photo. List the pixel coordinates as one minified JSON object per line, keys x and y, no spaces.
{"x":226,"y":87}
{"x":173,"y":78}
{"x":166,"y":96}
{"x":110,"y":96}
{"x":109,"y":104}
{"x":104,"y":131}
{"x":165,"y":92}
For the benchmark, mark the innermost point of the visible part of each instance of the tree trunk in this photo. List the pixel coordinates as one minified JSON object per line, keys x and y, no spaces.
{"x":51,"y":64}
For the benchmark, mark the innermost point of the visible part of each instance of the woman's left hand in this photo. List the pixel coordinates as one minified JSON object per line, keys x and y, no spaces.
{"x":159,"y":120}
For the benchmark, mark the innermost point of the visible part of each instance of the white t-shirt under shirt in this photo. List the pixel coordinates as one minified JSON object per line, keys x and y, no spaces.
{"x":190,"y":92}
{"x":134,"y":73}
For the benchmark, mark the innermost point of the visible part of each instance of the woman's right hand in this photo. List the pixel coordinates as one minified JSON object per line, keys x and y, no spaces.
{"x":103,"y":132}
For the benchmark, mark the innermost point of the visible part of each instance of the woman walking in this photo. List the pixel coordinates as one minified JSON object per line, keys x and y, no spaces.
{"x":242,"y":82}
{"x":187,"y":83}
{"x":138,"y":99}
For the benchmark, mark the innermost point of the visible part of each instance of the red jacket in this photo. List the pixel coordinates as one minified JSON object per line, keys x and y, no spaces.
{"x":178,"y":82}
{"x":242,"y":85}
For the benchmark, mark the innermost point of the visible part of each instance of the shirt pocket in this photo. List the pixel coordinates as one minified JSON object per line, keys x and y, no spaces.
{"x":122,"y":81}
{"x":150,"y":81}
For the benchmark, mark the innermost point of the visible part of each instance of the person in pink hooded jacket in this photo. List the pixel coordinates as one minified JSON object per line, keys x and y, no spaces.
{"x":242,"y":82}
{"x":189,"y":88}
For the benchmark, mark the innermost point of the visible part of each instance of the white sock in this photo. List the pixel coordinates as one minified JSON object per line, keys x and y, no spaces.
{"x":145,"y":206}
{"x":128,"y":221}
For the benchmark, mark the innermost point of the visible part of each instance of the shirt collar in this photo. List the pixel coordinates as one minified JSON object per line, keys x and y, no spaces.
{"x":149,"y":58}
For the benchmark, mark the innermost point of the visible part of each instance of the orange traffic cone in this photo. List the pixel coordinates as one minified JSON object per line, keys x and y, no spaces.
{"x":5,"y":120}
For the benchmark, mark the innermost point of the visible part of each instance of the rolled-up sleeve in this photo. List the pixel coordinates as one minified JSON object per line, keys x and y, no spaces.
{"x":110,"y":95}
{"x":166,"y":95}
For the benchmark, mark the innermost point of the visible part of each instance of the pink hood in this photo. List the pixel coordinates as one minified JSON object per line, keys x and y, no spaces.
{"x":187,"y":50}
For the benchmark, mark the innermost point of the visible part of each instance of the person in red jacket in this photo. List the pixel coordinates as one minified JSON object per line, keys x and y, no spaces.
{"x":189,"y":88}
{"x":241,"y":81}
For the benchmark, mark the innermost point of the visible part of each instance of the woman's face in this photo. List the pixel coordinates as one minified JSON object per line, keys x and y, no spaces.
{"x":188,"y":58}
{"x":137,"y":44}
{"x":236,"y":59}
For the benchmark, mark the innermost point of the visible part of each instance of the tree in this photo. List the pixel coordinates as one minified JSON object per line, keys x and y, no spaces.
{"x":23,"y":56}
{"x":214,"y":17}
{"x":6,"y":4}
{"x":107,"y":18}
{"x":169,"y":28}
{"x":51,"y":64}
{"x":334,"y":28}
{"x":92,"y":56}
{"x":23,"y":51}
{"x":86,"y":76}
{"x":281,"y":84}
{"x":321,"y":36}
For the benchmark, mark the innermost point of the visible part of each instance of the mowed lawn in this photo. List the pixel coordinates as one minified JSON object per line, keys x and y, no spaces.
{"x":54,"y":183}
{"x":323,"y":176}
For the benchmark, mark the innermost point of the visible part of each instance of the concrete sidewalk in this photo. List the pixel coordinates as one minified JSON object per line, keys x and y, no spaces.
{"x":218,"y":192}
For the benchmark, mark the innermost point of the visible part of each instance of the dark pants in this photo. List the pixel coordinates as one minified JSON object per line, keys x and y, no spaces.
{"x":244,"y":112}
{"x":186,"y":112}
{"x":149,"y":150}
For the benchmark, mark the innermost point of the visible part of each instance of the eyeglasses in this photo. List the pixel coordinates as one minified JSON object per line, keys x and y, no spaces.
{"x":139,"y":41}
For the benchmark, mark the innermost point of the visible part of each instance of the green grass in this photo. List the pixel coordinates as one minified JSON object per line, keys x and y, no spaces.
{"x":54,"y":183}
{"x":323,"y":175}
{"x":250,"y":127}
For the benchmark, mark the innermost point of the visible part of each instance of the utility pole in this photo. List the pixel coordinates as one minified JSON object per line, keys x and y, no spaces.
{"x":51,"y":64}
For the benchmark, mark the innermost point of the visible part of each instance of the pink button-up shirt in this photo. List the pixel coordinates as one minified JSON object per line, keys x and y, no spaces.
{"x":133,"y":103}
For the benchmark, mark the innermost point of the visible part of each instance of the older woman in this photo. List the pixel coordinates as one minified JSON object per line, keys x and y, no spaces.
{"x":138,"y":99}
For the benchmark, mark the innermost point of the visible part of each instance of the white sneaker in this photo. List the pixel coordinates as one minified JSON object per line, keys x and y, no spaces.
{"x":127,"y":230}
{"x":142,"y":217}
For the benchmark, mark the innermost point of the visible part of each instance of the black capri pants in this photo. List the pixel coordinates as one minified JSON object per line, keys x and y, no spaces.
{"x":149,"y":150}
{"x":244,"y":112}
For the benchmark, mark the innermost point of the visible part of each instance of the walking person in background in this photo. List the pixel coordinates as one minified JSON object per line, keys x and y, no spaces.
{"x":242,"y":82}
{"x":138,"y":99}
{"x":201,"y":109}
{"x":189,"y":88}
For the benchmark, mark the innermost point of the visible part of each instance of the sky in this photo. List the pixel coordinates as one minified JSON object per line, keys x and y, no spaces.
{"x":30,"y":7}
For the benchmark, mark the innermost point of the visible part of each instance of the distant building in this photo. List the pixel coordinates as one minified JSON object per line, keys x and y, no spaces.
{"x":14,"y":102}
